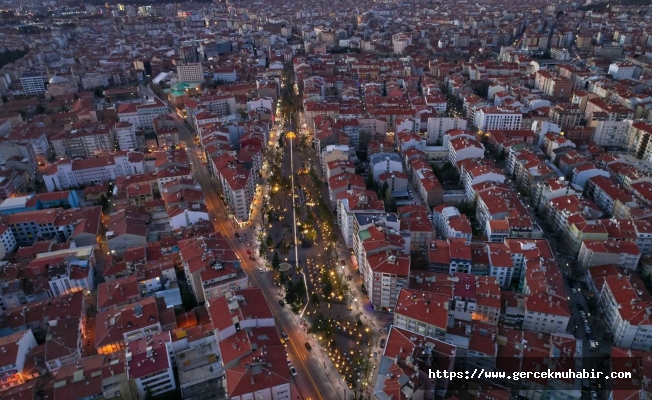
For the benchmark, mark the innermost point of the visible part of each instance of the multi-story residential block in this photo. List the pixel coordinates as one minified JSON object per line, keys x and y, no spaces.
{"x":142,"y":115}
{"x":626,"y":306}
{"x":211,"y":267}
{"x":67,"y":174}
{"x":63,"y":343}
{"x":438,"y":126}
{"x":545,"y":304}
{"x":424,"y":313}
{"x":94,"y":80}
{"x":86,"y":139}
{"x":238,"y":186}
{"x":15,"y":348}
{"x":505,"y":118}
{"x":624,"y":254}
{"x":125,"y":134}
{"x":149,"y":365}
{"x":118,"y":326}
{"x":354,"y":202}
{"x":387,"y":273}
{"x":462,"y":148}
{"x":622,"y":70}
{"x":581,"y":174}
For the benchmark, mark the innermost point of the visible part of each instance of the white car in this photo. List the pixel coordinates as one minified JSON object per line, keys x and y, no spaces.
{"x":293,"y":371}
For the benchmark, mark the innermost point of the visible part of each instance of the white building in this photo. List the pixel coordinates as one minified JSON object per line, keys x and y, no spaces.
{"x":490,"y":118}
{"x":125,"y":134}
{"x":462,"y":148}
{"x":238,"y":186}
{"x":400,"y":41}
{"x":187,"y":217}
{"x":437,"y":127}
{"x":142,"y":115}
{"x":622,"y":70}
{"x":191,"y":72}
{"x":611,"y":133}
{"x":257,"y":103}
{"x":384,"y":162}
{"x":66,"y":174}
{"x":626,"y":309}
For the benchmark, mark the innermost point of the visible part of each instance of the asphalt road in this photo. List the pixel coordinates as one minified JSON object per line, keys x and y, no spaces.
{"x":311,"y":381}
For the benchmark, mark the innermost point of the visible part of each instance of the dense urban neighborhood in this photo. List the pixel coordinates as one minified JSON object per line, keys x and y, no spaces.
{"x":326,"y":200}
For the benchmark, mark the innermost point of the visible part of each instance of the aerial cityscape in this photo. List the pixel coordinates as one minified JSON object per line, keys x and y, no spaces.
{"x":326,"y":200}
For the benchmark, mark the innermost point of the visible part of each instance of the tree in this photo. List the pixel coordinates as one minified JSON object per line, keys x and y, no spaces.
{"x":276,"y":261}
{"x":270,"y":241}
{"x":384,"y":191}
{"x":98,"y":92}
{"x":187,"y":298}
{"x":40,"y":109}
{"x":4,"y":98}
{"x":314,"y":299}
{"x":262,"y":250}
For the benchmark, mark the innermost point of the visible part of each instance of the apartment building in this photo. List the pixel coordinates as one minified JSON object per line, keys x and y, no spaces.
{"x":86,"y":139}
{"x":624,"y":254}
{"x":118,"y":326}
{"x":211,"y":267}
{"x":545,"y":299}
{"x":438,"y":126}
{"x":354,"y":202}
{"x":425,"y":313}
{"x":238,"y":186}
{"x":15,"y":348}
{"x":627,"y":309}
{"x":67,"y":174}
{"x":333,"y":153}
{"x":92,"y":80}
{"x":387,"y":273}
{"x":622,"y":70}
{"x":142,"y":115}
{"x":462,"y":148}
{"x":149,"y":365}
{"x":125,"y":134}
{"x":504,"y":118}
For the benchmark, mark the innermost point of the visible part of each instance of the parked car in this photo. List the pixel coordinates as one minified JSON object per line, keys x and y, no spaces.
{"x":293,"y":371}
{"x":308,"y":346}
{"x":593,"y":344}
{"x":281,"y":303}
{"x":285,"y":336}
